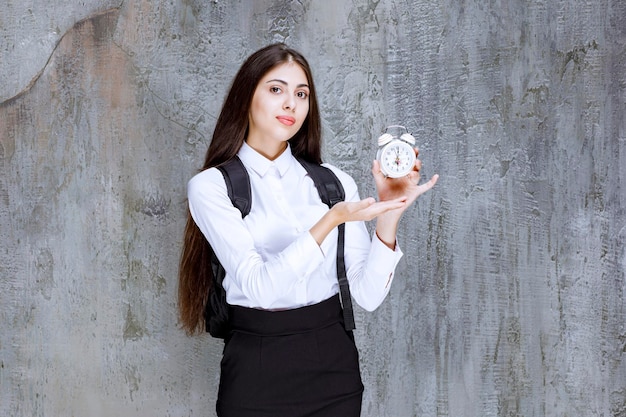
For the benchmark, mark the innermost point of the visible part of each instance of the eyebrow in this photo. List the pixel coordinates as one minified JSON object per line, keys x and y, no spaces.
{"x":286,"y":83}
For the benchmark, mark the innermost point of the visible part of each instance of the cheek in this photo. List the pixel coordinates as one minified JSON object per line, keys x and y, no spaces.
{"x":257,"y":111}
{"x":303,"y":115}
{"x":304,"y":109}
{"x":260,"y":102}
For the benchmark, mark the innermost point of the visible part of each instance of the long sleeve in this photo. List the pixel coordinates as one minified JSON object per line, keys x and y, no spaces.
{"x":261,"y":281}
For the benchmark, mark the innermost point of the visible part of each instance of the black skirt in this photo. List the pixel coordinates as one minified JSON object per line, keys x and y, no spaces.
{"x":291,"y":363}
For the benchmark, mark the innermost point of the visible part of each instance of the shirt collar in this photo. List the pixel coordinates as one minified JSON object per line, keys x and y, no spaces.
{"x":260,"y":164}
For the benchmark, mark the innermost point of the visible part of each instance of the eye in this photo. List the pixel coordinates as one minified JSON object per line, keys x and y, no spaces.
{"x":275,"y":90}
{"x":302,"y":94}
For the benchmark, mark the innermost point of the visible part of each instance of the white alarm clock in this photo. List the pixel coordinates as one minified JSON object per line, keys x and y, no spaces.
{"x":395,"y":151}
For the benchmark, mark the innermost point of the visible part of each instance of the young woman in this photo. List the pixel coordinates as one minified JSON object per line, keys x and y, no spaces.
{"x":289,"y":354}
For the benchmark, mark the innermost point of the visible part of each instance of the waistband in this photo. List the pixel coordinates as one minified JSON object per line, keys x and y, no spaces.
{"x":283,"y":322}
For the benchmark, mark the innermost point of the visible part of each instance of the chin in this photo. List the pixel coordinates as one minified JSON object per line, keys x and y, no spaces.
{"x":286,"y":136}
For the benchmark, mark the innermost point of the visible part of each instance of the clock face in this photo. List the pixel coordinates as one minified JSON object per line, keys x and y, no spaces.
{"x":397,"y":159}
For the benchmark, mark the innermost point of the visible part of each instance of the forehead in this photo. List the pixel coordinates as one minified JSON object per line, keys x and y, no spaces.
{"x":289,"y":72}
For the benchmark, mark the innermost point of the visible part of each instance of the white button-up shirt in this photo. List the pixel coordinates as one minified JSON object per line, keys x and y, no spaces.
{"x":270,"y":258}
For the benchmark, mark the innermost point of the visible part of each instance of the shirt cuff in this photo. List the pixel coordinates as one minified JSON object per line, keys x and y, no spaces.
{"x":385,"y":258}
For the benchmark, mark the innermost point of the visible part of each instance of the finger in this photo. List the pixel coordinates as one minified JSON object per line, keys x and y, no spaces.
{"x":414,"y":177}
{"x":430,"y":184}
{"x":364,"y":204}
{"x":394,"y":201}
{"x":375,"y":167}
{"x":384,"y":206}
{"x":388,"y":204}
{"x":376,"y":171}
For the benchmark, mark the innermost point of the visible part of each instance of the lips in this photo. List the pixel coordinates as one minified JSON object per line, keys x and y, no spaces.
{"x":286,"y":120}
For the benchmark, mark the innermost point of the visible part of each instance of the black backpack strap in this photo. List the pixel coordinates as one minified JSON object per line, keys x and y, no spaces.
{"x":331,"y":192}
{"x":241,"y":194}
{"x":239,"y":191}
{"x":328,"y":185}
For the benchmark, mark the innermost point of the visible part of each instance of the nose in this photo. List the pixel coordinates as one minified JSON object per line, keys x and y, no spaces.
{"x":290,"y":103}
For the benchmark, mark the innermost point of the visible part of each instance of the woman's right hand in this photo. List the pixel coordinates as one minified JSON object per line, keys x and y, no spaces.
{"x":364,"y":210}
{"x":350,"y":211}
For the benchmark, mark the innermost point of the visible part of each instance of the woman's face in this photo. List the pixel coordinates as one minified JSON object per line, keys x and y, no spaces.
{"x":280,"y":105}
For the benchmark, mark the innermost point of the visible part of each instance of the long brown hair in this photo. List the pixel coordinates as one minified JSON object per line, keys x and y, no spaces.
{"x":195,"y":276}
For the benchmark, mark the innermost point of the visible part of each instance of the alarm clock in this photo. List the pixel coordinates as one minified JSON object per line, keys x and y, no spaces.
{"x":396,"y":155}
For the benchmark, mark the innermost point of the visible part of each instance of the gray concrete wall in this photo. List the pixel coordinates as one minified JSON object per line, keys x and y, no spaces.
{"x":510,"y":299}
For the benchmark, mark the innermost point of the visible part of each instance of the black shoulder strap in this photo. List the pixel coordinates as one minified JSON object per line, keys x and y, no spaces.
{"x":327,"y":184}
{"x":331,"y":192}
{"x":240,"y":193}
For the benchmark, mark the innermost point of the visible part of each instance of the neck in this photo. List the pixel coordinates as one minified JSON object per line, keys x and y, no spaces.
{"x":270,"y":153}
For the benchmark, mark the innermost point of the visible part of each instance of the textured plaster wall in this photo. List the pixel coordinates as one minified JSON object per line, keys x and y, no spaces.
{"x":510,"y":300}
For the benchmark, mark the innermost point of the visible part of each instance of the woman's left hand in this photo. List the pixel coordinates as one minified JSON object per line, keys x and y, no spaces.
{"x":407,"y":186}
{"x":392,"y":188}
